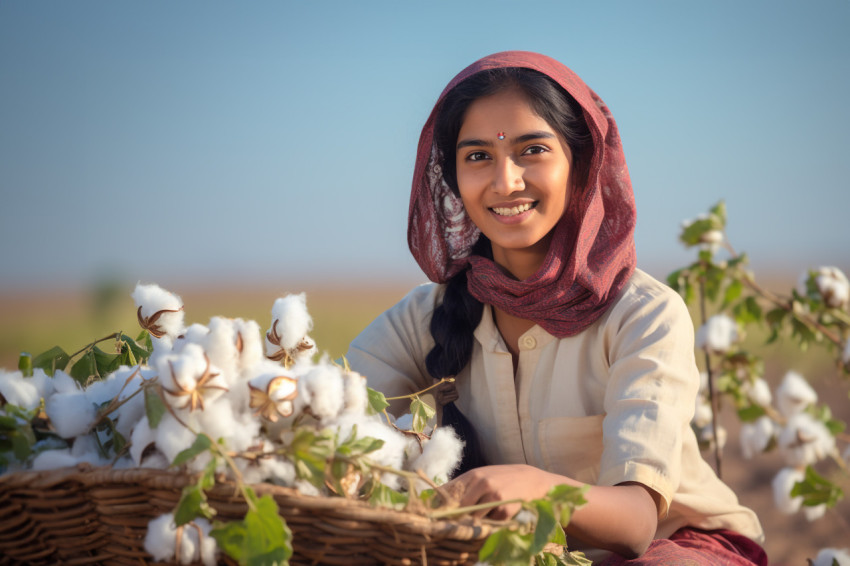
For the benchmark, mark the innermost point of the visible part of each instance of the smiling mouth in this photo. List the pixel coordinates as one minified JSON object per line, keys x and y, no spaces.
{"x":514,"y":210}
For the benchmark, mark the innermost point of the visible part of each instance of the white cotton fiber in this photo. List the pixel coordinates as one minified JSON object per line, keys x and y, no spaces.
{"x":130,"y":412}
{"x":153,"y":299}
{"x":759,"y":392}
{"x":324,"y":385}
{"x":794,"y":394}
{"x":70,"y":413}
{"x":85,"y":449}
{"x":42,"y":382}
{"x":220,"y":345}
{"x":390,"y":454}
{"x":441,"y":455}
{"x":172,"y":437}
{"x":355,"y":395}
{"x":219,"y":421}
{"x":252,"y":344}
{"x":782,"y":484}
{"x":54,"y":459}
{"x":804,"y":441}
{"x":755,"y":436}
{"x":64,"y":383}
{"x":141,"y":437}
{"x":717,"y":334}
{"x":293,"y":320}
{"x":18,"y":390}
{"x":814,"y":513}
{"x":161,"y":538}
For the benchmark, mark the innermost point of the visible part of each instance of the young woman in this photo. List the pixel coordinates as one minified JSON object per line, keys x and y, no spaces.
{"x":571,"y":365}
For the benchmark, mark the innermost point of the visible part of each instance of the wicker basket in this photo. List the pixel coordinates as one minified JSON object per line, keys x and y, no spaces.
{"x":86,"y":515}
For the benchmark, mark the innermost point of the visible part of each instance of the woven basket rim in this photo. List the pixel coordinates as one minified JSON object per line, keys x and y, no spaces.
{"x":465,"y":527}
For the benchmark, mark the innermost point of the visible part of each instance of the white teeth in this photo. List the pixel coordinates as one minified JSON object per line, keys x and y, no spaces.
{"x":513,"y":211}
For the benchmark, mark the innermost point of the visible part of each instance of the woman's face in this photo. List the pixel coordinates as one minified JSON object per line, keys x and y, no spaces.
{"x":513,"y":172}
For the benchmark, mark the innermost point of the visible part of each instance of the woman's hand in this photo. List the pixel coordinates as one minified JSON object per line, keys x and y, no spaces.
{"x":621,"y":518}
{"x":500,"y":483}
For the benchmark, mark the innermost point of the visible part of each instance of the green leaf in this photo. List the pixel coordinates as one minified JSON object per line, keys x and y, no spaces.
{"x":506,"y":548}
{"x":84,"y":368}
{"x":565,"y":499}
{"x":261,"y":539}
{"x":154,"y":407}
{"x":105,"y":363}
{"x":383,"y":496}
{"x":748,"y":311}
{"x":713,"y":282}
{"x":193,"y":503}
{"x":51,"y":360}
{"x":718,"y":211}
{"x":141,"y":353}
{"x":422,"y":413}
{"x":750,"y":413}
{"x":545,"y":524}
{"x":25,"y":364}
{"x":377,"y":401}
{"x":202,"y":443}
{"x":692,"y":234}
{"x":817,"y":490}
{"x":733,"y":291}
{"x":310,"y":453}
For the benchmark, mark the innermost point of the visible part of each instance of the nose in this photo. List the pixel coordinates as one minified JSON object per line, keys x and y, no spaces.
{"x":508,"y":176}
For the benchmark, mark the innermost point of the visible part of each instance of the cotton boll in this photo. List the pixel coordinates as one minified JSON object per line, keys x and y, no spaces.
{"x":441,"y":455}
{"x":391,"y":454}
{"x":758,"y":391}
{"x":85,"y":449}
{"x":293,"y":320}
{"x":189,"y":380}
{"x":70,"y":413}
{"x":42,"y":382}
{"x":306,"y":488}
{"x":195,"y":334}
{"x":717,"y":335}
{"x":273,"y":392}
{"x":155,"y":460}
{"x":141,"y":437}
{"x":805,"y":440}
{"x":814,"y":513}
{"x":794,"y":395}
{"x":54,"y":459}
{"x":279,"y":471}
{"x":782,"y":484}
{"x":172,"y":437}
{"x":220,"y":344}
{"x":17,"y":390}
{"x":218,"y":421}
{"x":161,"y":538}
{"x":833,"y":286}
{"x":64,"y":383}
{"x":252,"y":345}
{"x":755,"y":436}
{"x":130,"y":412}
{"x":705,"y":436}
{"x":829,"y":556}
{"x":355,"y":394}
{"x":324,"y":385}
{"x":159,"y":312}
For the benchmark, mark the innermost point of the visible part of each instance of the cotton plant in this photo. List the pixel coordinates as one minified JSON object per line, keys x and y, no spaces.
{"x":788,"y":419}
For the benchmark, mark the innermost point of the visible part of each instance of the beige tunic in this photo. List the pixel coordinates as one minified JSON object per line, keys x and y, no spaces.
{"x":610,"y":405}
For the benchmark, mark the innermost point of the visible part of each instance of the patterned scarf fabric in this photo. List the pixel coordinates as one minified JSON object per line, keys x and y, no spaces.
{"x":592,"y":254}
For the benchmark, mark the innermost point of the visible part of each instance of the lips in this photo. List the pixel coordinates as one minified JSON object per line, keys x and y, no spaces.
{"x":513,"y":210}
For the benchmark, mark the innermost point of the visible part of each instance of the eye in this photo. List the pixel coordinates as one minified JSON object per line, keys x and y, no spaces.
{"x":477,"y":156}
{"x":535,"y":149}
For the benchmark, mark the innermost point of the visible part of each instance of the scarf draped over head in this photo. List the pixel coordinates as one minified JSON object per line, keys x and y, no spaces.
{"x":592,"y":253}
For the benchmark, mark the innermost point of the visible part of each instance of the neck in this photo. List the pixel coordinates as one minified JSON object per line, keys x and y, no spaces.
{"x":521,"y":264}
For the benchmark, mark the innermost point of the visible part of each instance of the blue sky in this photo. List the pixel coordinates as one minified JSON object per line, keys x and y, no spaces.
{"x":257,"y":142}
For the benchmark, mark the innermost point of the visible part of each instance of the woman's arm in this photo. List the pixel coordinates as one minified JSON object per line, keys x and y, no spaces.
{"x":620,"y":518}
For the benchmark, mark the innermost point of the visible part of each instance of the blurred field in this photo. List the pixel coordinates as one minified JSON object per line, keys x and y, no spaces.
{"x":35,"y":322}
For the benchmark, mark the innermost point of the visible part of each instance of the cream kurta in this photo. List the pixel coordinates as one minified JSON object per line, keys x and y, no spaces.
{"x":610,"y":405}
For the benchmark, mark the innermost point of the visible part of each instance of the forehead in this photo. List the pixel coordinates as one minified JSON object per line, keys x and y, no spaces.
{"x":508,"y":109}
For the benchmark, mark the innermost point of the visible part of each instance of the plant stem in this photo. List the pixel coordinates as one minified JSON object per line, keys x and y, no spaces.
{"x":88,"y":346}
{"x":712,"y":399}
{"x":442,"y":514}
{"x":412,"y":395}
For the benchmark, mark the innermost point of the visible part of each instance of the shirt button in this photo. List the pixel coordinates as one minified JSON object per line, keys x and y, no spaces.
{"x":528,"y":342}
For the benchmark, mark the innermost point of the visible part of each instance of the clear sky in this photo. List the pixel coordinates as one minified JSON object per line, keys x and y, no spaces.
{"x":186,"y":141}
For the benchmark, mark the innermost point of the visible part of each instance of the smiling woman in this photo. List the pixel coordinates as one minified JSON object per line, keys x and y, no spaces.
{"x":572,"y":366}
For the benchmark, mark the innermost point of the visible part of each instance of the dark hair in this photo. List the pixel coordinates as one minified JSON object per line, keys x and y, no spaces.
{"x":455,"y":319}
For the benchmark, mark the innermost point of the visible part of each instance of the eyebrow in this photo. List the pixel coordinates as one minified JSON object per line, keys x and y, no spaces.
{"x":519,"y":139}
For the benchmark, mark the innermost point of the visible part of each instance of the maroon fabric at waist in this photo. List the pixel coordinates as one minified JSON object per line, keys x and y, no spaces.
{"x":694,"y":547}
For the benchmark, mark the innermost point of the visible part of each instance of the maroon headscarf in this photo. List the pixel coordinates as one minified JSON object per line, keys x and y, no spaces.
{"x":592,"y":254}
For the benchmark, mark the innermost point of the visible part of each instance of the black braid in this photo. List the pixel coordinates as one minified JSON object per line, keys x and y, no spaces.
{"x":452,"y":325}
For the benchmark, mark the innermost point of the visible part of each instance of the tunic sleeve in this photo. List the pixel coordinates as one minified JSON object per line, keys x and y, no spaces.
{"x":652,"y":386}
{"x":391,"y":351}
